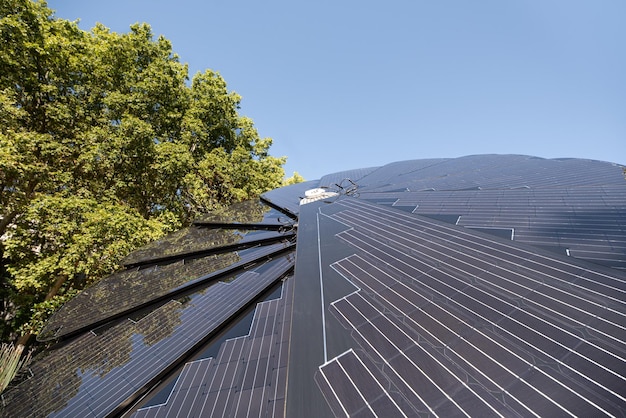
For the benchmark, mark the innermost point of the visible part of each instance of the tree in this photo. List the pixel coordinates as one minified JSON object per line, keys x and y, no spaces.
{"x":295,"y":179}
{"x":105,"y":146}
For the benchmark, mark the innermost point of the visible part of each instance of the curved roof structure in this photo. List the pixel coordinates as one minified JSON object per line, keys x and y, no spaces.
{"x":488,"y":285}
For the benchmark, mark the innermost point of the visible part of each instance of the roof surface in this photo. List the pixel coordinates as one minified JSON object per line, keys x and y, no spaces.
{"x":489,"y":285}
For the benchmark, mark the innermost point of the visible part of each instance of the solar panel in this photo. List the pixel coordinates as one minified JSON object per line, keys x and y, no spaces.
{"x":127,"y":291}
{"x":585,"y":222}
{"x":197,"y":241}
{"x":490,"y":172}
{"x":481,"y":285}
{"x":106,"y":371}
{"x":509,"y":326}
{"x":288,"y":198}
{"x":255,"y":365}
{"x":332,"y":180}
{"x":246,"y":212}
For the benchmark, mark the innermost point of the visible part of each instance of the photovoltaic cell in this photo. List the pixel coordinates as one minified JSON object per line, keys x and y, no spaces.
{"x":490,"y":172}
{"x":499,"y":317}
{"x":389,"y":175}
{"x":256,"y":380}
{"x":585,"y":222}
{"x":400,"y":303}
{"x":130,"y":290}
{"x":197,"y":241}
{"x":332,"y":180}
{"x":102,"y":372}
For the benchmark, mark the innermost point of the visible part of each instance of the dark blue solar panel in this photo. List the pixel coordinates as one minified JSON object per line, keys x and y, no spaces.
{"x":490,"y":172}
{"x":130,"y":290}
{"x":440,"y":305}
{"x":258,"y":371}
{"x":486,"y":285}
{"x":584,"y":222}
{"x":288,"y":198}
{"x":332,"y":180}
{"x":104,"y":371}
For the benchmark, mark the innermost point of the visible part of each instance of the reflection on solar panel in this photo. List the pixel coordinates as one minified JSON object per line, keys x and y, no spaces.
{"x":113,"y":368}
{"x":195,"y":242}
{"x":247,"y":212}
{"x":248,"y":376}
{"x":288,"y":198}
{"x":486,"y":285}
{"x":101,"y":303}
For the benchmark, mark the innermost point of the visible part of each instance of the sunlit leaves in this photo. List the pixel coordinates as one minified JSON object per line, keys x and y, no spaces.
{"x":105,"y":144}
{"x":76,"y":237}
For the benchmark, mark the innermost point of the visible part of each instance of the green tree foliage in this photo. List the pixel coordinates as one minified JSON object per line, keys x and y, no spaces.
{"x":295,"y":179}
{"x":104,"y":146}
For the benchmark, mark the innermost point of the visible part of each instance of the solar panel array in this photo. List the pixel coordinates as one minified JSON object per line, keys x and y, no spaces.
{"x":197,"y":241}
{"x":451,"y":322}
{"x":247,"y":378}
{"x":150,"y":319}
{"x":96,"y":374}
{"x":586,"y":222}
{"x":331,"y":180}
{"x":490,"y":172}
{"x":142,"y":287}
{"x":391,"y":174}
{"x":246,"y":212}
{"x":400,"y":303}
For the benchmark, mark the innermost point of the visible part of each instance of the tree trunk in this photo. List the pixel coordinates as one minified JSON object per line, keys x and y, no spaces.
{"x":56,"y":286}
{"x":23,"y":340}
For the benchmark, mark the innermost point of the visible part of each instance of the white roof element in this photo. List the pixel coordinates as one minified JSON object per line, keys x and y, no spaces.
{"x":313,"y":195}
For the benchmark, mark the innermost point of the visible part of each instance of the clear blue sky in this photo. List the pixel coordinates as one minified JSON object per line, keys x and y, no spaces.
{"x":346,"y":84}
